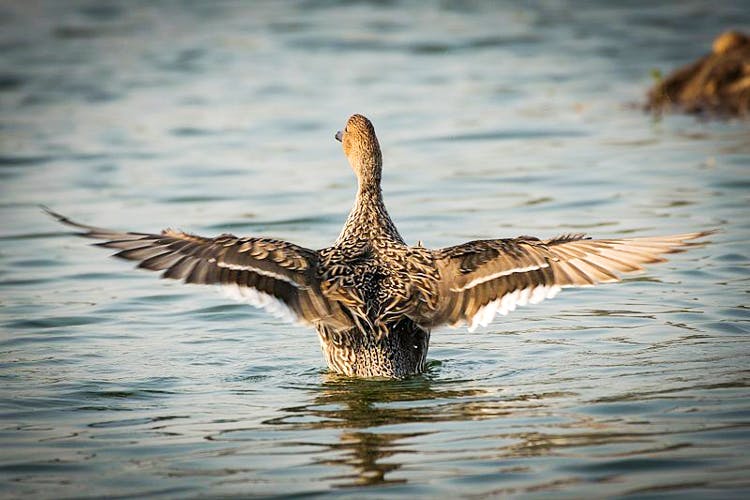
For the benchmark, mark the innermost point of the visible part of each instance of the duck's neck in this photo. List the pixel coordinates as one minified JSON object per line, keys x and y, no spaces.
{"x":369,"y":219}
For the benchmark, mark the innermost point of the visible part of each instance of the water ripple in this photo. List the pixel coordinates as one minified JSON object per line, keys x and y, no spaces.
{"x":495,"y":120}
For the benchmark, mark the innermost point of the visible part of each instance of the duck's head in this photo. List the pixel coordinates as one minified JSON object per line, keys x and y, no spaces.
{"x":728,"y":41}
{"x":361,"y":147}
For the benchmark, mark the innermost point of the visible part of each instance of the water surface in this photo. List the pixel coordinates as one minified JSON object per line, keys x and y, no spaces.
{"x":497,"y":119}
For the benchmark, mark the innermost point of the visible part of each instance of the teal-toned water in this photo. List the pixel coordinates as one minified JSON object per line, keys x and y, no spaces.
{"x":496,"y":118}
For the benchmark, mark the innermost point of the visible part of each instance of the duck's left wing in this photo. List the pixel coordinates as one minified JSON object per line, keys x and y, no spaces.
{"x":482,"y":278}
{"x":276,"y":275}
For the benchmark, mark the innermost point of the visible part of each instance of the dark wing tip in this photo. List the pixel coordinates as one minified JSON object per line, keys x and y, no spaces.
{"x":707,"y":232}
{"x":685,"y":241}
{"x":64,"y":220}
{"x":52,"y":213}
{"x":92,"y":231}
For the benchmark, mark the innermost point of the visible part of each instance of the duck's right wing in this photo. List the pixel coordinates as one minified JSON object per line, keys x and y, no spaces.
{"x":480,"y":279}
{"x":276,"y":275}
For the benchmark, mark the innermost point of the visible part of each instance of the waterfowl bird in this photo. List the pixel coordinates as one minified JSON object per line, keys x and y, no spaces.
{"x":372,"y":298}
{"x":717,"y":84}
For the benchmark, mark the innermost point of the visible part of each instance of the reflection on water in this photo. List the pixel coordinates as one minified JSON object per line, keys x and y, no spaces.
{"x":342,"y":403}
{"x":496,"y":119}
{"x":374,"y":445}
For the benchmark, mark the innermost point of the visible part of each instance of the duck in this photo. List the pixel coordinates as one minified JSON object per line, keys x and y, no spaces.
{"x":715,"y":86}
{"x":372,"y":298}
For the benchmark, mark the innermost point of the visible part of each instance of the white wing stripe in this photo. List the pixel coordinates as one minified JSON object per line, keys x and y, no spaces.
{"x":483,"y":279}
{"x":260,"y":299}
{"x":271,"y":274}
{"x":509,"y":302}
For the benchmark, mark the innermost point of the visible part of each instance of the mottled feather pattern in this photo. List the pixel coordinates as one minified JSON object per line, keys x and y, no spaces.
{"x":372,"y":298}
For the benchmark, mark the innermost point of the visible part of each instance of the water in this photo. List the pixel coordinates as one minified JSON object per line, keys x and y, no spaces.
{"x":497,"y":119}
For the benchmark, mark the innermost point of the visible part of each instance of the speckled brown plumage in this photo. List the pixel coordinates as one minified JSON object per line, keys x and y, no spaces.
{"x":372,"y":298}
{"x":717,"y":84}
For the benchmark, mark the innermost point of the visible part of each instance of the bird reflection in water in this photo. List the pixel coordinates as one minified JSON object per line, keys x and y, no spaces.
{"x":353,"y":405}
{"x":371,"y":449}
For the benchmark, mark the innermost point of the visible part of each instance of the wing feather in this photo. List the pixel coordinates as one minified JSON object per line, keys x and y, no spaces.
{"x":484,"y":278}
{"x":162,"y":261}
{"x":273,"y":274}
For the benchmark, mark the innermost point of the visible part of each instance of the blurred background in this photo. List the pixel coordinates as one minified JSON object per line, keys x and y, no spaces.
{"x":496,"y":119}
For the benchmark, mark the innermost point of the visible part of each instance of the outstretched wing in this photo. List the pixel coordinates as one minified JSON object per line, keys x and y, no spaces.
{"x":273,"y":274}
{"x":487,"y":277}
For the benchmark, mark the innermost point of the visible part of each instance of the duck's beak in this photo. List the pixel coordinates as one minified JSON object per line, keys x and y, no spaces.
{"x":338,"y":136}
